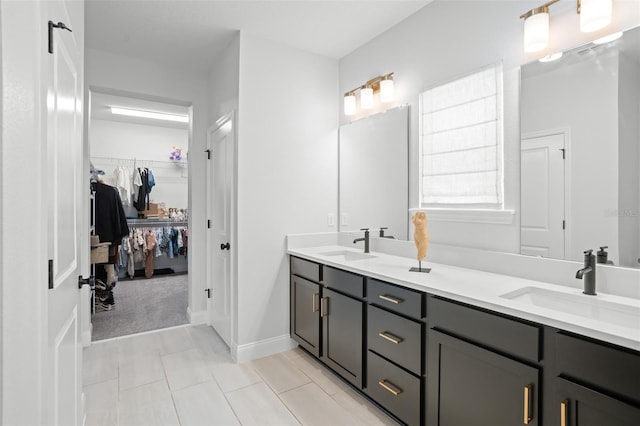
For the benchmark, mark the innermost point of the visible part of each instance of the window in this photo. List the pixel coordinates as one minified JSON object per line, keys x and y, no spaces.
{"x":461,"y":142}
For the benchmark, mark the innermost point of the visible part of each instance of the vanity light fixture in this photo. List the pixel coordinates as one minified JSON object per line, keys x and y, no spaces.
{"x":150,"y":114}
{"x":607,"y":39}
{"x":382,"y":84}
{"x":594,"y":15}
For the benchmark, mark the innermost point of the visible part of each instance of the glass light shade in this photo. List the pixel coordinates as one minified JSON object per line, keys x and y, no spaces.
{"x":366,"y":98}
{"x":607,"y":39}
{"x":595,"y":14}
{"x":386,"y":90}
{"x":349,"y":104}
{"x":536,"y":32}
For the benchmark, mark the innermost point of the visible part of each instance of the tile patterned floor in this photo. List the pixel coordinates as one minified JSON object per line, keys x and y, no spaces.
{"x":185,"y":376}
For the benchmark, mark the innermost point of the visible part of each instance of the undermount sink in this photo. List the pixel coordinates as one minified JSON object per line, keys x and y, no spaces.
{"x":348,"y":255}
{"x":623,"y":315}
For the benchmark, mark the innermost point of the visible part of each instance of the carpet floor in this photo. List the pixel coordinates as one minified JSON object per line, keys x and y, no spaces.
{"x":143,"y":305}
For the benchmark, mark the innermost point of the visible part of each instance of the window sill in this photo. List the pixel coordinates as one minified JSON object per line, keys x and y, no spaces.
{"x":495,"y":217}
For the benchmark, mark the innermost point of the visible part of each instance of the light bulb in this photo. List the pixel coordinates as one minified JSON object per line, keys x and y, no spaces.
{"x":366,"y":98}
{"x":595,"y":14}
{"x":386,"y":90}
{"x":536,"y":32}
{"x":350,"y":104}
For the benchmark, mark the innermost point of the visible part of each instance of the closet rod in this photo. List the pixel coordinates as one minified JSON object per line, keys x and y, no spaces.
{"x":146,"y":223}
{"x":137,"y":161}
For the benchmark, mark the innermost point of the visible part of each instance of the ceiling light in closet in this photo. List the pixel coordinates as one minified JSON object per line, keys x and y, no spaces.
{"x":150,"y":114}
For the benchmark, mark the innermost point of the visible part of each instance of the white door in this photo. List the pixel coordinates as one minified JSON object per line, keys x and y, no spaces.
{"x":220,"y":145}
{"x":542,"y":196}
{"x":64,"y":165}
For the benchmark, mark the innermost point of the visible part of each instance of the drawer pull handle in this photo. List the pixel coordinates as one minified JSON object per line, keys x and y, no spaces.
{"x":314,"y":301}
{"x":564,"y":412}
{"x":391,"y":299}
{"x":527,"y":404}
{"x":324,"y":307}
{"x":390,"y":337}
{"x":390,"y":387}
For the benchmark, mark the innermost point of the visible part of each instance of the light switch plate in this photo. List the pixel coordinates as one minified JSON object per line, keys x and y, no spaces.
{"x":331,"y":219}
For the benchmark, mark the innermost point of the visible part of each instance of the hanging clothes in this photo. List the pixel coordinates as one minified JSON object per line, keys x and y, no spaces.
{"x":122,"y":181}
{"x":150,"y":242}
{"x":142,"y":201}
{"x":111,"y":222}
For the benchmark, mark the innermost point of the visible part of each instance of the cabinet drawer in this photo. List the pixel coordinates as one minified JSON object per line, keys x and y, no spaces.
{"x":488,"y":329}
{"x":305,"y":268}
{"x":394,"y":389}
{"x":396,"y":338}
{"x":343,"y":281}
{"x":607,"y":367}
{"x":406,"y":301}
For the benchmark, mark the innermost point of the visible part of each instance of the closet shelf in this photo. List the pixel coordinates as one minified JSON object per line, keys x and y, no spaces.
{"x":151,"y":223}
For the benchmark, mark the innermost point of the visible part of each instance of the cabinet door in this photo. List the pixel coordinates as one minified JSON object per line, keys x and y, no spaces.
{"x":468,"y":385}
{"x":305,"y":314}
{"x":581,"y":406}
{"x":342,"y":324}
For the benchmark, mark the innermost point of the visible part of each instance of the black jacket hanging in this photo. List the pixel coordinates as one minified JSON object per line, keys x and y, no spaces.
{"x":142,"y":201}
{"x":111,"y":222}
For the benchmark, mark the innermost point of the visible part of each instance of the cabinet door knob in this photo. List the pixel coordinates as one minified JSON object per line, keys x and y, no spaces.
{"x":390,"y":299}
{"x":564,"y":412}
{"x":390,"y":387}
{"x":527,"y":404}
{"x":390,"y":337}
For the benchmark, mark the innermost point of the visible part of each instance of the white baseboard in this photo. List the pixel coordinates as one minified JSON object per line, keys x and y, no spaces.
{"x":262,"y":348}
{"x":197,"y":317}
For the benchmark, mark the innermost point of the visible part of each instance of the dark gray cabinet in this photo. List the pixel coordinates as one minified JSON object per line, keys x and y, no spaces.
{"x":395,"y":349}
{"x":327,"y":312}
{"x":477,"y":373}
{"x":579,"y":405}
{"x":305,"y":314}
{"x":342,"y":328}
{"x":469,"y":385}
{"x":596,"y":383}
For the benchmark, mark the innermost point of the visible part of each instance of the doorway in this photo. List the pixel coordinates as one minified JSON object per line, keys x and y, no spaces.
{"x":544,"y":189}
{"x":138,"y":149}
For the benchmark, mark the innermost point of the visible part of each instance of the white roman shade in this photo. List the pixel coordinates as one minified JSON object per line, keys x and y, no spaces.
{"x":461,"y":141}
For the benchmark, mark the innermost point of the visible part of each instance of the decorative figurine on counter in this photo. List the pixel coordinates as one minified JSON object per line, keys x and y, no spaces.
{"x":421,"y":238}
{"x":176,"y":154}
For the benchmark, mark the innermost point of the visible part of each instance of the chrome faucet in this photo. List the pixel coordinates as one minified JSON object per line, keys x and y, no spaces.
{"x":589,"y":273}
{"x":365,"y":239}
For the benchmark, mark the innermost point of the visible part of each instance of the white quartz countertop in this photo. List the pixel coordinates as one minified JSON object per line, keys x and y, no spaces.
{"x":484,"y":289}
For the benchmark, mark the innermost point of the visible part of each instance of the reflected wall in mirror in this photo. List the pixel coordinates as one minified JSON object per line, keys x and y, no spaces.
{"x":584,"y":107}
{"x":373,"y":181}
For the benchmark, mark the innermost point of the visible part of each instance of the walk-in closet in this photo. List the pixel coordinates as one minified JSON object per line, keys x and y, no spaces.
{"x":139,"y":213}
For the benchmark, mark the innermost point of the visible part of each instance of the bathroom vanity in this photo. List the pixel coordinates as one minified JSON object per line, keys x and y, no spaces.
{"x":462,"y":347}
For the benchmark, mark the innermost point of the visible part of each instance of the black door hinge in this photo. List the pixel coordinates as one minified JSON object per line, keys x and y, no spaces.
{"x":208,"y":223}
{"x":208,"y":151}
{"x":208,"y":291}
{"x":563,"y":153}
{"x":50,"y":268}
{"x":564,"y":224}
{"x":53,"y":25}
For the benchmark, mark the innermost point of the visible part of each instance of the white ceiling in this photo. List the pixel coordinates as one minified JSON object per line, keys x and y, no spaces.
{"x":192,"y":33}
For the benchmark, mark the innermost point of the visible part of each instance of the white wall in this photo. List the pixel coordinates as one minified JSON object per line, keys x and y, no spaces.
{"x":447,"y":39}
{"x":564,"y":98}
{"x":224,"y":82}
{"x":287,"y":173}
{"x":128,"y":141}
{"x":116,"y":72}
